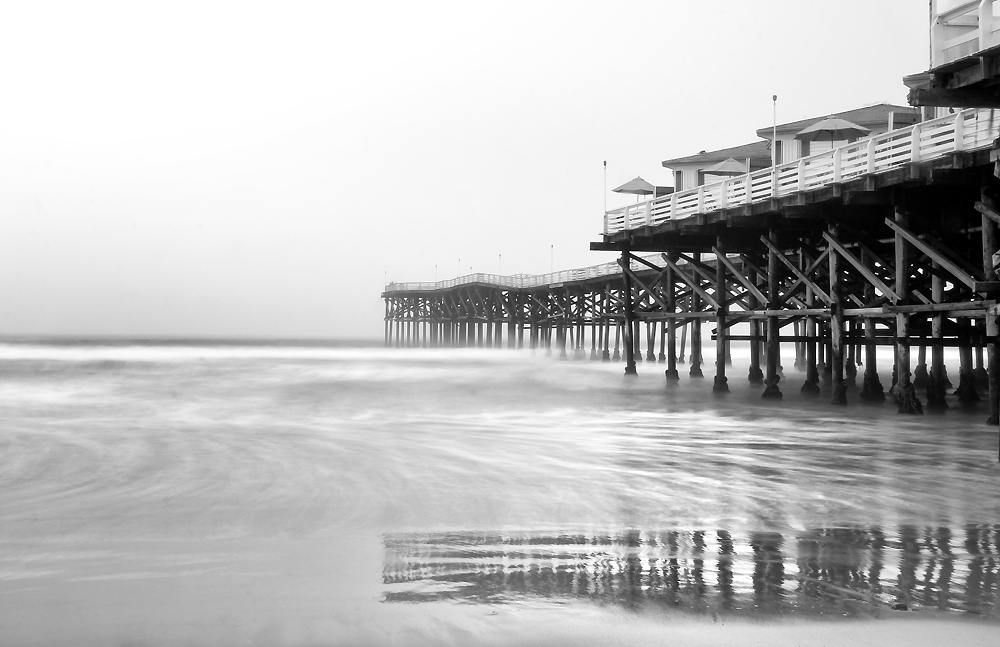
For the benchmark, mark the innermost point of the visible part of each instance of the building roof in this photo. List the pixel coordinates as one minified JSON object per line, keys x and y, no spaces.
{"x":760,"y":150}
{"x":867,"y":116}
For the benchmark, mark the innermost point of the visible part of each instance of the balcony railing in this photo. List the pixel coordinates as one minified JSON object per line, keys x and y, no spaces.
{"x":963,"y":131}
{"x":963,"y":30}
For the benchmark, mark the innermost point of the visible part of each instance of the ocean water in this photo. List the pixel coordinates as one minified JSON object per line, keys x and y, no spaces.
{"x":262,"y":493}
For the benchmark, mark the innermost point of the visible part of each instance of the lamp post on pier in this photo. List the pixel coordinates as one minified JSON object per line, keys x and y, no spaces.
{"x":774,"y":130}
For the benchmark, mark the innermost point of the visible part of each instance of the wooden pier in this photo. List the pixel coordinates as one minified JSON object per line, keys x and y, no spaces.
{"x":886,"y":241}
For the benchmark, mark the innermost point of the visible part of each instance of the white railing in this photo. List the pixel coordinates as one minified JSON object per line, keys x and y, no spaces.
{"x":522,"y":281}
{"x":961,"y":31}
{"x":964,"y":131}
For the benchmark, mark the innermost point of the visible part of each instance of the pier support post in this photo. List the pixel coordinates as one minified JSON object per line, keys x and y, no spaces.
{"x":851,"y":362}
{"x":671,"y":372}
{"x":650,"y":341}
{"x":920,"y":373}
{"x":636,"y":337}
{"x":800,"y":361}
{"x":837,"y":323}
{"x":936,"y":389}
{"x":684,"y":332}
{"x":989,"y":231}
{"x":606,"y":324}
{"x":629,"y":316}
{"x":618,"y":333}
{"x":721,"y":335}
{"x":993,"y":367}
{"x":811,"y":384}
{"x":754,"y":375}
{"x":871,"y":387}
{"x":982,"y":377}
{"x":799,"y":327}
{"x":594,"y":334}
{"x":903,"y":391}
{"x":695,"y":370}
{"x":826,"y":355}
{"x":771,"y":390}
{"x":966,"y":390}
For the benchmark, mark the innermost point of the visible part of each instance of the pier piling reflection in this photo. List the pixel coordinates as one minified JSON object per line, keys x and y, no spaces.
{"x":854,"y":572}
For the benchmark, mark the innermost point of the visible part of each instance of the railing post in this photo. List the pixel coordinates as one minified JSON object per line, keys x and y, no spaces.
{"x":837,"y":161}
{"x":673,"y":203}
{"x":606,"y":223}
{"x":915,"y":143}
{"x":985,"y":24}
{"x":649,"y":213}
{"x":774,"y":181}
{"x":701,"y":199}
{"x":800,"y":170}
{"x":870,"y":156}
{"x":959,"y":132}
{"x":724,"y":198}
{"x":748,"y":198}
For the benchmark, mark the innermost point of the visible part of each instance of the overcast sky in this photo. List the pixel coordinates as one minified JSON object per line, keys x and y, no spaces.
{"x":260,"y":168}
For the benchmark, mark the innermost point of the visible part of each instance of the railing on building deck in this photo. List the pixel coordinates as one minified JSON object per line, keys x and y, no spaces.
{"x":522,"y":281}
{"x":963,"y":131}
{"x":962,"y":31}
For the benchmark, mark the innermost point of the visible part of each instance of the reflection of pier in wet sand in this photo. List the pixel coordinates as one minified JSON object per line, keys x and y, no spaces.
{"x":824,"y":571}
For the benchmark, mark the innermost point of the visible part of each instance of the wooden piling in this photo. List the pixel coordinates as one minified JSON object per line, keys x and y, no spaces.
{"x":695,"y":355}
{"x":966,"y":391}
{"x":594,"y":334}
{"x":836,"y":323}
{"x":629,"y":316}
{"x":903,"y":391}
{"x":754,"y":374}
{"x":684,"y":329}
{"x":920,"y":373}
{"x":935,"y":380}
{"x":989,"y":234}
{"x":771,"y":390}
{"x":671,"y":281}
{"x":720,"y":385}
{"x":850,"y":362}
{"x":871,"y":387}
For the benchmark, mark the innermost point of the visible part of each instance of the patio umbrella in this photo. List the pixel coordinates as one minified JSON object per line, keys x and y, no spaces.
{"x":832,"y":127}
{"x":727,"y":167}
{"x":638,"y":186}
